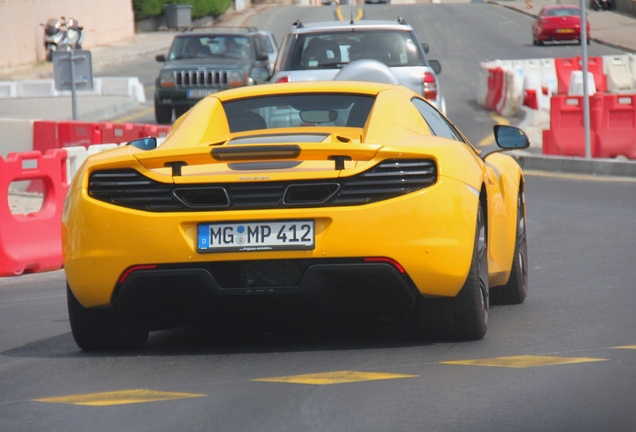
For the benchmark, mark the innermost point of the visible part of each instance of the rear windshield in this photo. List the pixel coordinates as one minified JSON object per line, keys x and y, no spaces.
{"x":335,"y":49}
{"x":285,"y":111}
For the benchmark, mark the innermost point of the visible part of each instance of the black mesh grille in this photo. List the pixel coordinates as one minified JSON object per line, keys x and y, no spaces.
{"x":201,"y":78}
{"x":387,"y":180}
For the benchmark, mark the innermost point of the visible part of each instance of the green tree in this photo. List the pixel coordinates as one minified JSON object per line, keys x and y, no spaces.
{"x":200,"y":8}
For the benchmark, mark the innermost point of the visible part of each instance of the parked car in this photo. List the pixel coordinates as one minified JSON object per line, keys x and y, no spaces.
{"x":202,"y":61}
{"x":558,"y":23}
{"x":317,"y":51}
{"x":357,"y":197}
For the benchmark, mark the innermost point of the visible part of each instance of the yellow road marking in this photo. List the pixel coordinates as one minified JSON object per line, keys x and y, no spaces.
{"x":133,"y":116}
{"x":626,"y":347}
{"x":490,"y":139}
{"x":118,"y":397}
{"x":339,"y":377}
{"x":340,"y":17}
{"x":524,"y":361}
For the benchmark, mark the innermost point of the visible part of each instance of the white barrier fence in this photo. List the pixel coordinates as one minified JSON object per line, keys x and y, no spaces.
{"x":505,"y":85}
{"x":106,"y":86}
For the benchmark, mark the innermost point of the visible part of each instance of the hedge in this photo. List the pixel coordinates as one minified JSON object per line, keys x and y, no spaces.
{"x":200,"y":8}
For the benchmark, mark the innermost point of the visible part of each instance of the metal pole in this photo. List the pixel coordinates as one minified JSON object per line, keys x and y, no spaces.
{"x":73,"y":93}
{"x":586,"y":97}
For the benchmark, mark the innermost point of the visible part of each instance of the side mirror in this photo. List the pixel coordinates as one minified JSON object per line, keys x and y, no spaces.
{"x":436,"y":66}
{"x":261,"y":55}
{"x":160,"y":58}
{"x":425,"y":47}
{"x":507,"y":138}
{"x":148,"y":143}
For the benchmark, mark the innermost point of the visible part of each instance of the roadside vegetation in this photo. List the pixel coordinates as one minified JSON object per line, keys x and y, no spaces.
{"x":144,"y":9}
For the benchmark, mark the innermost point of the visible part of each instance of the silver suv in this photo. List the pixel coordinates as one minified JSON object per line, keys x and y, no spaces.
{"x":317,"y":52}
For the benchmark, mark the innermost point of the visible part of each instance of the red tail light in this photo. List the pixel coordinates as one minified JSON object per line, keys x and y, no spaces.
{"x":284,"y":79}
{"x":393,"y":262}
{"x":430,"y":86}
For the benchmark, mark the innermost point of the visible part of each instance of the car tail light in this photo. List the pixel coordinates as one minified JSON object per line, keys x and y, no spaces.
{"x":430,"y":86}
{"x":284,"y":79}
{"x":393,"y":262}
{"x":135,"y":268}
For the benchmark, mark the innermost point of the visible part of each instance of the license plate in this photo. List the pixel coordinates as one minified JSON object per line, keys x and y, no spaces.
{"x":256,"y":236}
{"x":199,"y":93}
{"x":565,"y":31}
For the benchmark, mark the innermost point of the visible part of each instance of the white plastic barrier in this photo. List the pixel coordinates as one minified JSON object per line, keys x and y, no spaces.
{"x":124,"y":86}
{"x":549,"y":75}
{"x":482,"y":82}
{"x":512,"y":95}
{"x":619,"y":76}
{"x":76,"y":155}
{"x":576,"y":84}
{"x":631,"y":64}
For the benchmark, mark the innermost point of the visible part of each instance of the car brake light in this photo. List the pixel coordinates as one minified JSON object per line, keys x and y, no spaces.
{"x":135,"y":268}
{"x":284,"y":79}
{"x":393,"y":262}
{"x":430,"y":86}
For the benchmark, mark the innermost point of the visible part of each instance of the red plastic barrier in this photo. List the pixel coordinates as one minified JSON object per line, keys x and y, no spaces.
{"x":530,"y":99}
{"x":595,"y":67}
{"x":118,"y":133}
{"x":78,"y":133}
{"x":617,"y":128}
{"x":566,"y":136}
{"x":564,"y":68}
{"x":495,"y":88}
{"x":32,"y":242}
{"x":155,"y":131}
{"x":45,"y":135}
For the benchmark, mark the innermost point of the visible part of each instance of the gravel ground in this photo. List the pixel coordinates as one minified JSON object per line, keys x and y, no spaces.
{"x":24,"y":203}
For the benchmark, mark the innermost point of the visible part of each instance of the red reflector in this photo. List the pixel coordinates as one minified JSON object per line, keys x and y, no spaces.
{"x":135,"y":268}
{"x":393,"y":262}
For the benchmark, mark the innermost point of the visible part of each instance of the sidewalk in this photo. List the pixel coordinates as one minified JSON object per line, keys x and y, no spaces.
{"x":608,"y":28}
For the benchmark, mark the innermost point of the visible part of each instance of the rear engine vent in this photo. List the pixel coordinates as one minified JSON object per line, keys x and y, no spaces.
{"x":387,"y":180}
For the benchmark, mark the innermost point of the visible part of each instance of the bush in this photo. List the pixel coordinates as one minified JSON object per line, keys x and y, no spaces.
{"x":200,"y":8}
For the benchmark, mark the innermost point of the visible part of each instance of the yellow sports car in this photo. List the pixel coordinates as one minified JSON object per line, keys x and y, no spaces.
{"x":358,"y":197}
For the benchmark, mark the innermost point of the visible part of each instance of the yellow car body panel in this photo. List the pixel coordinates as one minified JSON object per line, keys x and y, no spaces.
{"x":429,"y":233}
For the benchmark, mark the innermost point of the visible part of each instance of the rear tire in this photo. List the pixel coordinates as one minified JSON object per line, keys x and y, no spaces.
{"x":96,"y":329}
{"x":464,"y":317}
{"x":163,"y":113}
{"x":516,"y":290}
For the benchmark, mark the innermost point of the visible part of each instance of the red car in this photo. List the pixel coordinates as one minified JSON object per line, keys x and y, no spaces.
{"x":558,"y":23}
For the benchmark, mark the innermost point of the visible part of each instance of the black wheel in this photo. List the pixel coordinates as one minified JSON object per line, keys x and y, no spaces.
{"x":163,"y":113}
{"x":50,"y":49}
{"x":464,"y":317}
{"x":96,"y":329}
{"x":516,"y":290}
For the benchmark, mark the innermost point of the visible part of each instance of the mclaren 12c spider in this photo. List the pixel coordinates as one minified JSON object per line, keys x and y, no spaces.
{"x":358,"y":197}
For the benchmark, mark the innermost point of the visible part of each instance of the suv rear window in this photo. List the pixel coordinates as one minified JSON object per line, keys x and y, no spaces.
{"x":271,"y":112}
{"x":335,"y":49}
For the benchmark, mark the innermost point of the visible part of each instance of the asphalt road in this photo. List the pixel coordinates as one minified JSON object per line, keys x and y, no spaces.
{"x":564,"y":360}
